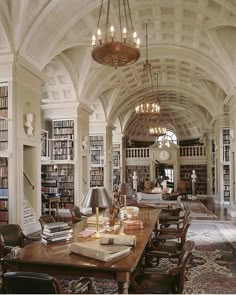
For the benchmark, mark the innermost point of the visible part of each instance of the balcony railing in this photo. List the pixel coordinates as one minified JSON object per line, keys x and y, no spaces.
{"x":188,"y":151}
{"x":192,"y":151}
{"x":137,"y":153}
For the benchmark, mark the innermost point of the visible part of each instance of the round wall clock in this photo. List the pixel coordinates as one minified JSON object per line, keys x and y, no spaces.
{"x":164,"y":155}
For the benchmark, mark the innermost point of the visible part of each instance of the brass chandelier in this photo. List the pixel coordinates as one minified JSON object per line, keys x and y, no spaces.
{"x":108,"y":49}
{"x":157,"y":131}
{"x":149,"y":107}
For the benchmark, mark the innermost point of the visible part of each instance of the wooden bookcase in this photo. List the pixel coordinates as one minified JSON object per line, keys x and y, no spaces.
{"x":226,"y":165}
{"x":3,"y":117}
{"x":58,"y":180}
{"x":116,"y":163}
{"x":201,"y":172}
{"x":3,"y":190}
{"x":63,"y":136}
{"x":96,"y":148}
{"x":143,"y":172}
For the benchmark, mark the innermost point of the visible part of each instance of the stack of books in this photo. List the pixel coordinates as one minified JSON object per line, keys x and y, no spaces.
{"x":56,"y":232}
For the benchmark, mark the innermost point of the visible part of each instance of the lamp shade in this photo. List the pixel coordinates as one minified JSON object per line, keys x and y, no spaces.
{"x":97,"y":197}
{"x":126,"y":189}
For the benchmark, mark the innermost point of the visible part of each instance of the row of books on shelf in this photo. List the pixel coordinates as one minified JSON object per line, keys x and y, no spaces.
{"x":3,"y":134}
{"x":66,"y":178}
{"x":3,"y":215}
{"x":3,"y":100}
{"x":3,"y":124}
{"x":56,"y":232}
{"x":63,"y":123}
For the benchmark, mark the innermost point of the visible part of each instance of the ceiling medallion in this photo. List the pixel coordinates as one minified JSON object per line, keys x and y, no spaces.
{"x":111,"y":52}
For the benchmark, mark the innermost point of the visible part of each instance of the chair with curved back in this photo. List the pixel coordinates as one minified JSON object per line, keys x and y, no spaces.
{"x":76,"y":214}
{"x":166,"y":245}
{"x":163,"y":280}
{"x":46,"y":218}
{"x":11,"y":235}
{"x":38,"y":283}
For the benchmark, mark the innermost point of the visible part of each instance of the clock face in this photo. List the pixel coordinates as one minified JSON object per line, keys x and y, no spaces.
{"x":164,"y":155}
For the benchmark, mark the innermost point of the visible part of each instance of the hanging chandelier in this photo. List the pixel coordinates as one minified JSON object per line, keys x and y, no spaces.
{"x":108,"y":49}
{"x":157,"y":131}
{"x":148,"y":107}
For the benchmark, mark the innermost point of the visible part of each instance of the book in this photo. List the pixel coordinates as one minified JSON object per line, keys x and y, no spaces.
{"x":93,"y":249}
{"x":108,"y":239}
{"x":47,"y":242}
{"x":93,"y":220}
{"x":133,"y":224}
{"x":57,"y":233}
{"x":57,"y":224}
{"x":56,"y":229}
{"x":57,"y":238}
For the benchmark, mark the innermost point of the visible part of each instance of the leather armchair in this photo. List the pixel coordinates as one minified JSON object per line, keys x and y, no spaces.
{"x":38,"y":283}
{"x":11,"y":235}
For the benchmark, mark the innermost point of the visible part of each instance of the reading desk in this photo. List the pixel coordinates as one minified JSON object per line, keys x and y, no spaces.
{"x":56,"y":259}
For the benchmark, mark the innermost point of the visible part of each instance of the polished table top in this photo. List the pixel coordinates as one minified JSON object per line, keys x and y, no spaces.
{"x":57,"y":258}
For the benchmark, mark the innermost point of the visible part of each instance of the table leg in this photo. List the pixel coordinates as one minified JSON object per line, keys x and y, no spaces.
{"x":123,"y":287}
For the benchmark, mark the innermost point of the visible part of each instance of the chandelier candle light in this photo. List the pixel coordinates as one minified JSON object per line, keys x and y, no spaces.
{"x":107,"y":50}
{"x":157,"y":131}
{"x":149,"y":107}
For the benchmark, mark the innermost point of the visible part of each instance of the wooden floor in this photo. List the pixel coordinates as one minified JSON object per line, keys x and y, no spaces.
{"x":220,"y":211}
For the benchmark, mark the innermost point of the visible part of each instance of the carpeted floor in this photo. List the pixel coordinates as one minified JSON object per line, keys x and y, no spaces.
{"x":212,"y":268}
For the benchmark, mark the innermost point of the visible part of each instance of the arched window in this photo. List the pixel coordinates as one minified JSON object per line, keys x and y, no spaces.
{"x":170,"y":136}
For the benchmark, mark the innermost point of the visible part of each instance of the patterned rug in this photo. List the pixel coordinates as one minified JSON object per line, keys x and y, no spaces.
{"x":198,"y":210}
{"x":212,"y":267}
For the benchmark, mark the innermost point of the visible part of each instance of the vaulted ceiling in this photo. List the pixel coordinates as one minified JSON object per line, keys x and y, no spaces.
{"x":192,"y":46}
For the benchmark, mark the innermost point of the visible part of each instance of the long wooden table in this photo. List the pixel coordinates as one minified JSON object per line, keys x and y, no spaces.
{"x":56,"y":259}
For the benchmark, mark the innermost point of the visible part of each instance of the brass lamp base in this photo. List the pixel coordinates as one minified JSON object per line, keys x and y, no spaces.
{"x":115,"y":54}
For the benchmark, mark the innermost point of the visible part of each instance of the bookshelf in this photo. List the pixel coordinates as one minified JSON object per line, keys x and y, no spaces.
{"x":143,"y":172}
{"x":63,"y":139}
{"x":58,"y":180}
{"x":226,"y":144}
{"x":226,"y":165}
{"x":116,"y":163}
{"x":201,"y":172}
{"x":213,"y":184}
{"x":96,"y":148}
{"x":226,"y":171}
{"x":3,"y":190}
{"x":3,"y":117}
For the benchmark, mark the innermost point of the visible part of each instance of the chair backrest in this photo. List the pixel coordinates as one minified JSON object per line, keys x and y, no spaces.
{"x":182,"y":186}
{"x":12,"y":235}
{"x":75,"y":212}
{"x":30,"y":283}
{"x":47,"y":218}
{"x":184,"y":256}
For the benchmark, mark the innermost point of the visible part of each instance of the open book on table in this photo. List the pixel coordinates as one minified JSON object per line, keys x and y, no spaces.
{"x":93,"y":249}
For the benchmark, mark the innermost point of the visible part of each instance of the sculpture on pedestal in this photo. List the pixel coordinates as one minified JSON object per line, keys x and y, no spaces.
{"x":135,"y":181}
{"x":194,"y":180}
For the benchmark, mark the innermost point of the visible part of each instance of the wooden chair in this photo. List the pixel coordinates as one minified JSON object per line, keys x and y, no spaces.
{"x":46,"y":218}
{"x":166,"y":245}
{"x":38,"y":283}
{"x":11,"y":235}
{"x":183,"y":188}
{"x":162,"y":280}
{"x":76,"y":214}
